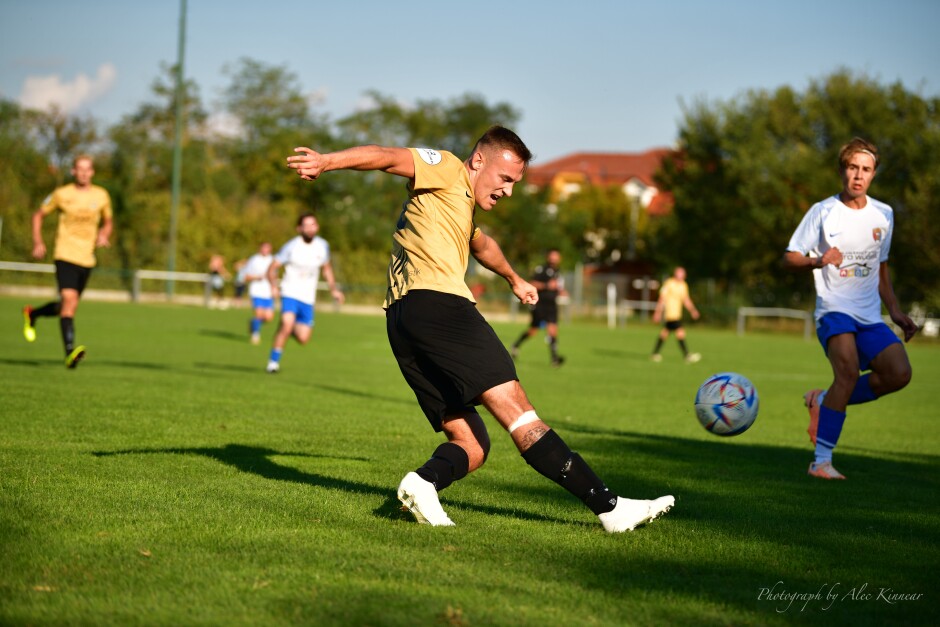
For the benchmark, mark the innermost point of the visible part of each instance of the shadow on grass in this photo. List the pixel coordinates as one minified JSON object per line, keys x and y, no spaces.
{"x":257,"y":461}
{"x":33,"y":363}
{"x":206,"y":365}
{"x":225,"y":335}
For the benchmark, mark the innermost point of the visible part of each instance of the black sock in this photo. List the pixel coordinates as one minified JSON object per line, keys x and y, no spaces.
{"x":659,"y":345}
{"x":685,"y":351}
{"x":46,"y":311}
{"x":449,"y":463}
{"x":522,"y":338}
{"x":553,"y":347}
{"x":552,"y":458}
{"x":68,"y":334}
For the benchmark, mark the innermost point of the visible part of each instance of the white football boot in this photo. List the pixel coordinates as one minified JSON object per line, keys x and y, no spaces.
{"x":420,"y":498}
{"x":629,"y":514}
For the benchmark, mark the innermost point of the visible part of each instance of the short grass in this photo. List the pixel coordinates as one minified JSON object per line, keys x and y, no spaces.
{"x":169,"y":481}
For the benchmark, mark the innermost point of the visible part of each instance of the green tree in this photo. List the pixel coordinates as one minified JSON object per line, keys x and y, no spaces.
{"x":747,"y":170}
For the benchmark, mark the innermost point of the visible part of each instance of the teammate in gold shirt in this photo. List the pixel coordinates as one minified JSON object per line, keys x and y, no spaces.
{"x":448,"y":354}
{"x":84,"y":224}
{"x":673,"y":296}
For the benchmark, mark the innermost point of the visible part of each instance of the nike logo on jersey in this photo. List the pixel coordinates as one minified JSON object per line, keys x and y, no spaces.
{"x":469,"y":195}
{"x":835,"y":234}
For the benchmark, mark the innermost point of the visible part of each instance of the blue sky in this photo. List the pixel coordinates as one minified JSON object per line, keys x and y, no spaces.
{"x":590,"y":75}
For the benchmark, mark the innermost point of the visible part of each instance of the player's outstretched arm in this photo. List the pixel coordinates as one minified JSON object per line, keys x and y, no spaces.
{"x":39,"y":247}
{"x":485,"y":250}
{"x":310,"y":164}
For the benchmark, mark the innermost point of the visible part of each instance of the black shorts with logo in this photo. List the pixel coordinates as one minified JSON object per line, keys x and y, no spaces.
{"x":673,"y":325}
{"x":544,"y":313}
{"x":70,"y":276}
{"x":447,"y":352}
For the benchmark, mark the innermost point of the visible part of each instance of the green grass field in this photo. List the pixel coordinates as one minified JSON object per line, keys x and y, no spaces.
{"x":168,"y":480}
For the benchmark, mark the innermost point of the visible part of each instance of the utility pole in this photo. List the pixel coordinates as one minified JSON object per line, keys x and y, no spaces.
{"x":177,"y":147}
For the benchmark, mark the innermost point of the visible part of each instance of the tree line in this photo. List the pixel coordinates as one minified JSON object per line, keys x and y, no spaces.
{"x":743,"y":173}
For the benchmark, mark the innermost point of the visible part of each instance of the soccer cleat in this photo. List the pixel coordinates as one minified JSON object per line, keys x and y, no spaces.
{"x":811,"y":400}
{"x":656,"y":357}
{"x":255,"y":338}
{"x":558,"y":361}
{"x":75,"y":357}
{"x":29,"y":331}
{"x":514,"y":352}
{"x":273,"y":367}
{"x":824,"y":470}
{"x":420,"y":498}
{"x":629,"y":514}
{"x":692,"y":358}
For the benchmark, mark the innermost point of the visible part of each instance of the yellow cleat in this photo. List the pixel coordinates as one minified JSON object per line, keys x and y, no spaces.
{"x":29,"y":331}
{"x":74,"y":357}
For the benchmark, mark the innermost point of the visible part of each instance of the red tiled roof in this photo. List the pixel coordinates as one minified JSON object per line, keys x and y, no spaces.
{"x":601,"y":168}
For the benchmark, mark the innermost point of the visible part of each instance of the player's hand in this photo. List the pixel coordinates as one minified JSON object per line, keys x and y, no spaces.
{"x":907,"y":325}
{"x":657,"y":316}
{"x":338,"y":296}
{"x":696,"y":315}
{"x":525,"y":292}
{"x":39,"y":251}
{"x":833,"y":256}
{"x":309,"y":164}
{"x":102,"y":241}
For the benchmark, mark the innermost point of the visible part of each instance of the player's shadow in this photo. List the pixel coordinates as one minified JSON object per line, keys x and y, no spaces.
{"x":225,"y":335}
{"x":206,"y":365}
{"x":621,"y":354}
{"x":257,"y":460}
{"x":32,"y":363}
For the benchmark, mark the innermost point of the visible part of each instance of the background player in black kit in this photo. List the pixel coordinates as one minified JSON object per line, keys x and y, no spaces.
{"x":548,"y":281}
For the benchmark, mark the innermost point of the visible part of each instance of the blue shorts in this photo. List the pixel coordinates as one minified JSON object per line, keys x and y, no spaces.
{"x":870,"y":339}
{"x":262,"y":303}
{"x":303,"y":312}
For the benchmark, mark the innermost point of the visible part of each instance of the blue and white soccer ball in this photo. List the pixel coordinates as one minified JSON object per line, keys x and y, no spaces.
{"x":726,"y":404}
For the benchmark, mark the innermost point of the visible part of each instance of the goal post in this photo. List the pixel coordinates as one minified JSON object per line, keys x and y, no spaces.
{"x":776,"y":312}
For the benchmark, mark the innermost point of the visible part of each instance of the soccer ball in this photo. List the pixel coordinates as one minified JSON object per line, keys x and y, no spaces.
{"x":726,"y":404}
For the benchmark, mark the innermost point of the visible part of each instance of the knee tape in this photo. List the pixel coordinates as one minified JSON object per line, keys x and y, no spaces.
{"x":524,"y":419}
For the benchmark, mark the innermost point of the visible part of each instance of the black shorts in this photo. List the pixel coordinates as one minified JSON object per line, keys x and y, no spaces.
{"x":672,"y":325}
{"x":447,"y":352}
{"x":544,"y":313}
{"x":70,"y":276}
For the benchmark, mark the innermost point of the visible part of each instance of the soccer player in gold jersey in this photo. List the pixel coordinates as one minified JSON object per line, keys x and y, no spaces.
{"x":84,"y":224}
{"x":450,"y":357}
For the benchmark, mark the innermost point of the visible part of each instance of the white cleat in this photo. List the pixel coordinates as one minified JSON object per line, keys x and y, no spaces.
{"x":273,"y":367}
{"x":420,"y":498}
{"x":693,"y":358}
{"x":629,"y":514}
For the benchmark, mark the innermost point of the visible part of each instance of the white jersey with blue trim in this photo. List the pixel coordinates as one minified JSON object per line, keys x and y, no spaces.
{"x":863,"y":236}
{"x":257,"y":265}
{"x":302,"y":262}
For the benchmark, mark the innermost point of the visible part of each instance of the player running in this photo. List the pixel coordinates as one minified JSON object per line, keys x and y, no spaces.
{"x":845,"y":240}
{"x":550,"y":284}
{"x":84,"y":224}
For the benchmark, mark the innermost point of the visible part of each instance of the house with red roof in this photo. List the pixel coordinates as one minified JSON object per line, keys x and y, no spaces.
{"x":632,"y":172}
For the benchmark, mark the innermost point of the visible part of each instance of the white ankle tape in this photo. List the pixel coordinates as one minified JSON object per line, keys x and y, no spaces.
{"x":524,"y":419}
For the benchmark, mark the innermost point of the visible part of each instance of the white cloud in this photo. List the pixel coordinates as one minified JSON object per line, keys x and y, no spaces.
{"x":39,"y":92}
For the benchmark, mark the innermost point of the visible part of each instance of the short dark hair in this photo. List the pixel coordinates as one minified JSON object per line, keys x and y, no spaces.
{"x":856,"y":146}
{"x":304,"y":216}
{"x":501,"y":137}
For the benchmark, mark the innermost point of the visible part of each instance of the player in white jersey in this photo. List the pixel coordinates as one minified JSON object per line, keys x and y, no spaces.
{"x":845,"y":241}
{"x":303,"y":258}
{"x":255,"y":274}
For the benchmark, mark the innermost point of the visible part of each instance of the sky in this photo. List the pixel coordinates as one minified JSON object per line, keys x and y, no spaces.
{"x":585,"y":76}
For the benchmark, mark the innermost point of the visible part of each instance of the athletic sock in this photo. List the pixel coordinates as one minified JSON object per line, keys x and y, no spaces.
{"x":522,"y":338}
{"x":68,"y":334}
{"x":659,"y":345}
{"x":827,"y":435}
{"x":46,"y":311}
{"x":553,"y":347}
{"x":449,"y":463}
{"x":862,"y":392}
{"x":552,"y":458}
{"x":276,"y":355}
{"x":685,"y":350}
{"x":256,"y":325}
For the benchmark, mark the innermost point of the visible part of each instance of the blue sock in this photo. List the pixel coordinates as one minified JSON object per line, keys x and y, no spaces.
{"x":827,"y":436}
{"x":276,"y":354}
{"x":862,"y":392}
{"x":256,"y":325}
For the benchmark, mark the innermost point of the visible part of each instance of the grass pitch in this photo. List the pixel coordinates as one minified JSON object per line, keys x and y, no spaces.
{"x":168,"y":480}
